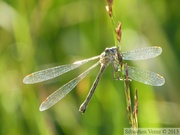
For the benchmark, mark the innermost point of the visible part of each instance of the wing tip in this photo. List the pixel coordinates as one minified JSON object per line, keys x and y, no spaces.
{"x":26,"y":79}
{"x":42,"y":107}
{"x":160,"y":81}
{"x":159,"y":49}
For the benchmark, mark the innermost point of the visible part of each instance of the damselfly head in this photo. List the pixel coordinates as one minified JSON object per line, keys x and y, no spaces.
{"x":109,"y":55}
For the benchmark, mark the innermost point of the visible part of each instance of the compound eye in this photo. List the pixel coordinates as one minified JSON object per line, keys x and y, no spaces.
{"x":107,"y":50}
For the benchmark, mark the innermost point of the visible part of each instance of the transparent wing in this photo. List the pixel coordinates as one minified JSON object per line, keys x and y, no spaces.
{"x":142,"y":54}
{"x":144,"y":76}
{"x":50,"y":73}
{"x":64,"y":90}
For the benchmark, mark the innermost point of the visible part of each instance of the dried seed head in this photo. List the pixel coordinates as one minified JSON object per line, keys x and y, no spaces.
{"x":110,"y":2}
{"x":136,"y":102}
{"x":109,"y":7}
{"x":118,"y":32}
{"x":109,"y":10}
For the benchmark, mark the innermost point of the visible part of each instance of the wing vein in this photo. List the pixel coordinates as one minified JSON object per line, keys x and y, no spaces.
{"x":64,"y":90}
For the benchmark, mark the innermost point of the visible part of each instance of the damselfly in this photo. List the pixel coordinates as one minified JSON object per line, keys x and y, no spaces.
{"x":109,"y":56}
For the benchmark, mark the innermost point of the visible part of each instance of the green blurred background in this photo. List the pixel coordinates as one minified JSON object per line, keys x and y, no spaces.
{"x":38,"y":34}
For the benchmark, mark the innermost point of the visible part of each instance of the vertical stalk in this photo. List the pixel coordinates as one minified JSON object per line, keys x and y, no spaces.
{"x":132,"y":113}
